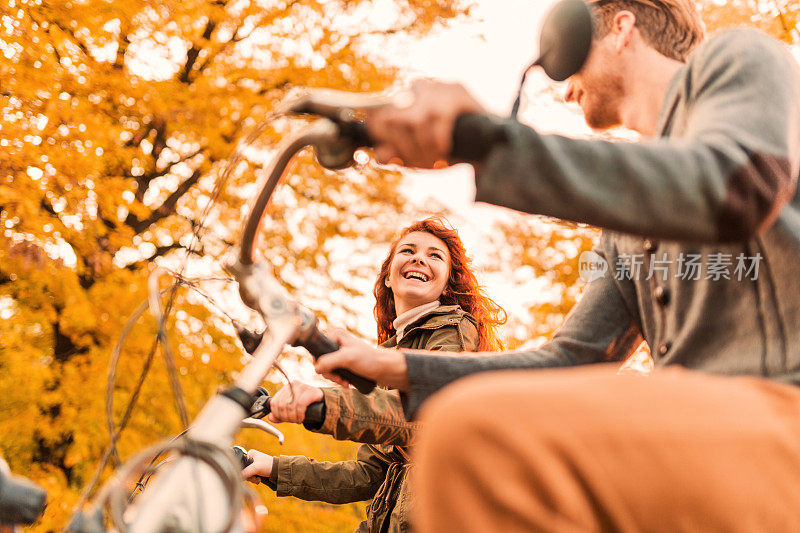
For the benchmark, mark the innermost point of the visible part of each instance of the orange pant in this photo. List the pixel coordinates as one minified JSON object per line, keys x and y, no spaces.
{"x":584,"y":449}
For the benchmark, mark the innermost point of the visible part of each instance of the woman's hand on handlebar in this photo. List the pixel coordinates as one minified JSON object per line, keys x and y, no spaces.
{"x":284,"y":408}
{"x":383,"y":365}
{"x":260,"y":467}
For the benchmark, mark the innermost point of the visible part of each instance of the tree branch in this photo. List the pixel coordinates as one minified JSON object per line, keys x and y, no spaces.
{"x":122,"y":49}
{"x":141,"y":135}
{"x":213,"y":55}
{"x":49,"y":33}
{"x":75,"y":40}
{"x":168,"y":207}
{"x":160,"y":142}
{"x":143,"y":182}
{"x":194,"y":51}
{"x":166,"y":170}
{"x":388,"y":31}
{"x":54,"y":47}
{"x":787,"y":31}
{"x":206,"y":231}
{"x":107,"y":222}
{"x":282,"y":85}
{"x":48,"y":208}
{"x":160,"y":251}
{"x":237,"y":38}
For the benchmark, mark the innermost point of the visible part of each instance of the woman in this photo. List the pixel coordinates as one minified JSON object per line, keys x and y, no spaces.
{"x":427,"y":297}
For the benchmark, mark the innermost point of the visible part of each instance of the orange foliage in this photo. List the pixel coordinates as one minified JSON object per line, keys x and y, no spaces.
{"x":117,"y":117}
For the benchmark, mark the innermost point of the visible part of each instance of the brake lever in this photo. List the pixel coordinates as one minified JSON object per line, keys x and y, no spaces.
{"x":253,"y":423}
{"x":338,"y":106}
{"x":261,"y":405}
{"x":249,"y":338}
{"x":346,"y":111}
{"x":245,"y":460}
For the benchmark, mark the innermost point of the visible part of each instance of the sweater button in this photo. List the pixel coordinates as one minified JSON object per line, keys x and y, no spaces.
{"x":664,"y":348}
{"x":650,"y":246}
{"x":662,"y":295}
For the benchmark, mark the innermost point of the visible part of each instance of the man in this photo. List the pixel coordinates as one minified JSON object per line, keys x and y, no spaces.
{"x":702,"y":246}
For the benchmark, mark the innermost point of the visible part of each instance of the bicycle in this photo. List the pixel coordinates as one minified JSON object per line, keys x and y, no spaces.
{"x":204,"y":453}
{"x":21,"y":501}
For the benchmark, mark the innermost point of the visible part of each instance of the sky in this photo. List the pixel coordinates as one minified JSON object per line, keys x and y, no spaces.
{"x":487,"y":53}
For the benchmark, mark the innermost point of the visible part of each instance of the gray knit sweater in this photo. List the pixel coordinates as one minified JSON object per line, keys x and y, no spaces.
{"x":702,"y":225}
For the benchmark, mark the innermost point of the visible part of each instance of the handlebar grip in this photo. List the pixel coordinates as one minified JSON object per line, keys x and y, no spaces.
{"x":318,"y":344}
{"x":357,"y":132}
{"x":474,"y":135}
{"x":362,"y":384}
{"x":21,"y":500}
{"x":245,"y":461}
{"x":315,"y":413}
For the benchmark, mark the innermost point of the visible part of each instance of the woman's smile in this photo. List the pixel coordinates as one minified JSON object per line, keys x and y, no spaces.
{"x":419,"y":270}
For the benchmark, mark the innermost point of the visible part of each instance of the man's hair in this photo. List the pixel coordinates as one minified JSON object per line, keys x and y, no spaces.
{"x":672,"y":27}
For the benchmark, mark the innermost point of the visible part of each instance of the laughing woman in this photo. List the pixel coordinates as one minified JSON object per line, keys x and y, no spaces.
{"x":427,"y":297}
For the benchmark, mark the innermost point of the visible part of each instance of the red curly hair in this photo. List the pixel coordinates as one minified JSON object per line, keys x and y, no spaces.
{"x":462,"y":287}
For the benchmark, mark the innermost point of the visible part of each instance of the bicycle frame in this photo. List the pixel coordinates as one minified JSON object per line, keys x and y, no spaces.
{"x":166,"y":504}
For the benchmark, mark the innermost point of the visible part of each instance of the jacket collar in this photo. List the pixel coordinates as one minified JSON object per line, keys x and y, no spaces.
{"x":670,"y":103}
{"x":443,"y":315}
{"x":412,"y":315}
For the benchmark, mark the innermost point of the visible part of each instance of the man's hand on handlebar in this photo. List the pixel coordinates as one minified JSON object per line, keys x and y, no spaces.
{"x":420,"y":134}
{"x":260,"y":467}
{"x":283,"y":409}
{"x":385,"y":366}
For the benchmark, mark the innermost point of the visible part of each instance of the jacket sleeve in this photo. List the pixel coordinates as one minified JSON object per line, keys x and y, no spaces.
{"x":599,"y":328}
{"x":724,"y":179}
{"x":341,"y":482}
{"x":377,"y":417}
{"x":374,"y":418}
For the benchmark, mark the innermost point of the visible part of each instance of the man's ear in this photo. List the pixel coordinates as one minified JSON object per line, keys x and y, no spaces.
{"x":623,"y":29}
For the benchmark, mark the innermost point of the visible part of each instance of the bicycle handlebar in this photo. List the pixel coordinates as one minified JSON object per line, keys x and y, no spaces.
{"x":315,"y":342}
{"x":474,"y":135}
{"x":245,"y":461}
{"x":315,"y":412}
{"x":335,"y":140}
{"x":318,"y":344}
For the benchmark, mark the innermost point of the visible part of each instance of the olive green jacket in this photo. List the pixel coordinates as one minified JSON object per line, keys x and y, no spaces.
{"x":377,"y":419}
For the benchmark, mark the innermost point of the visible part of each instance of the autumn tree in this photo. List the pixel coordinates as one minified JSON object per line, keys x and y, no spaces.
{"x":779,"y":18}
{"x":117,"y":120}
{"x":545,"y":250}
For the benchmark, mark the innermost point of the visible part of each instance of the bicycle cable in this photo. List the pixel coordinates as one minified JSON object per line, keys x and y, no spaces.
{"x":197,"y":229}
